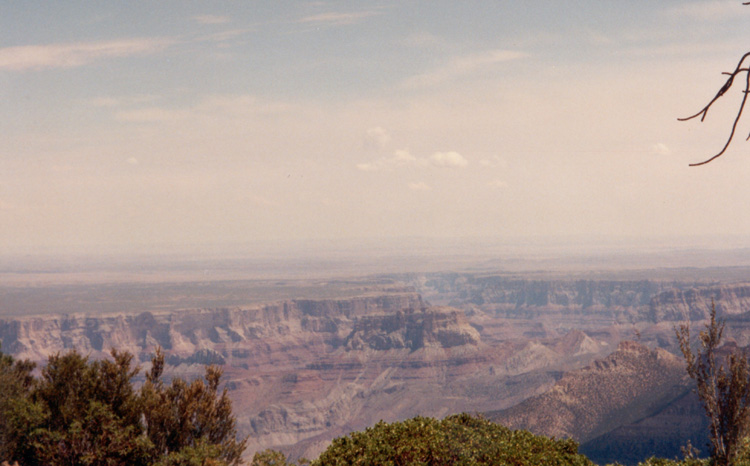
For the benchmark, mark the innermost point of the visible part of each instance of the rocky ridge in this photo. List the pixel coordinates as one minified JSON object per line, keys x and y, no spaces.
{"x":619,"y":389}
{"x":630,"y":391}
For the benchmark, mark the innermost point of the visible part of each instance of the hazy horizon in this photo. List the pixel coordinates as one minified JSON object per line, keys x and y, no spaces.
{"x":595,"y":258}
{"x":558,"y":245}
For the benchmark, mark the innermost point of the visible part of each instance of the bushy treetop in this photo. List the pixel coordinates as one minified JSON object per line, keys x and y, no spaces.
{"x":460,"y":439}
{"x":82,"y":412}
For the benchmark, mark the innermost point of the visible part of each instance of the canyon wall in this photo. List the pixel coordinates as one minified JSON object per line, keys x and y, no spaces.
{"x":186,"y":331}
{"x":303,"y":371}
{"x":638,"y":300}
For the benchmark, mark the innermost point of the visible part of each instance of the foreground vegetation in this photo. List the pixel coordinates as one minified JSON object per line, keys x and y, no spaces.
{"x":463,"y":440}
{"x":82,"y":412}
{"x":456,"y":440}
{"x":460,"y":439}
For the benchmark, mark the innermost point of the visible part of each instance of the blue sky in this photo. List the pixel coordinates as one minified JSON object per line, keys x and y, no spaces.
{"x":133,"y":124}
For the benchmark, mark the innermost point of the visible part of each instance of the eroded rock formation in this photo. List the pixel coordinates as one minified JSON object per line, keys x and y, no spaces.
{"x":616,"y":390}
{"x":303,"y":371}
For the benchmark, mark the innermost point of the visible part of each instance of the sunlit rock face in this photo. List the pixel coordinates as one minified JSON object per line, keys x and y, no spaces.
{"x":188,"y":331}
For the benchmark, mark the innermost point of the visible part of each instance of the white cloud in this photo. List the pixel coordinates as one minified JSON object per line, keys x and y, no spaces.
{"x":403,"y":158}
{"x":150,"y":115}
{"x":462,"y":66}
{"x":419,"y":186}
{"x":707,"y":11}
{"x":337,"y":18}
{"x":424,"y":40}
{"x":132,"y":161}
{"x":243,"y":106}
{"x":105,"y":102}
{"x":368,"y":167}
{"x":211,"y":19}
{"x":37,"y":57}
{"x":224,"y":36}
{"x":377,"y":138}
{"x":661,"y":149}
{"x":229,"y":109}
{"x":497,"y":184}
{"x":493,"y":162}
{"x":682,"y":49}
{"x":400,"y":158}
{"x":129,"y":101}
{"x":448,"y":159}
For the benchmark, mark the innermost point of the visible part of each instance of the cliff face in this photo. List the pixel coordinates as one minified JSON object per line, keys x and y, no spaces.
{"x":189,"y":331}
{"x":695,"y":303}
{"x":641,"y":300}
{"x":412,"y":329}
{"x":511,"y":294}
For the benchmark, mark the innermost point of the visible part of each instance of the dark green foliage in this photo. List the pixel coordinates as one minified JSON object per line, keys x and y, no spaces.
{"x":91,"y":412}
{"x":271,"y":457}
{"x":81,"y":412}
{"x":742,"y":458}
{"x":98,"y":438}
{"x":201,"y":453}
{"x":460,"y":439}
{"x":18,"y":416}
{"x":182,"y":414}
{"x":684,"y":462}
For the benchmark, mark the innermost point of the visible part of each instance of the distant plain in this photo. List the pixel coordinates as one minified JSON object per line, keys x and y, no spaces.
{"x":41,"y":284}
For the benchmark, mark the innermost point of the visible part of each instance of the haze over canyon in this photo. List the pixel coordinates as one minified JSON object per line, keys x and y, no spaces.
{"x":581,"y":354}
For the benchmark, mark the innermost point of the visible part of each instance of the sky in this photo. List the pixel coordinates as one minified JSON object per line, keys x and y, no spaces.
{"x":135,"y":126}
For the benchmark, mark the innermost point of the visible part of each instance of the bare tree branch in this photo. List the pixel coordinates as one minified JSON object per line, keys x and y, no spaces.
{"x":741,"y":68}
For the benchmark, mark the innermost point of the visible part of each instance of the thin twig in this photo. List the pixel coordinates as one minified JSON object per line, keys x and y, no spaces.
{"x":734,"y":125}
{"x":723,"y":90}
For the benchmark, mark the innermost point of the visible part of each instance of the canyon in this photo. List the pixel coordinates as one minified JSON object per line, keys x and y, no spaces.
{"x":318,"y":364}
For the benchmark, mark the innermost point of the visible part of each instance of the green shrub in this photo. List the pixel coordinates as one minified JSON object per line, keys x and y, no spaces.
{"x":460,"y":439}
{"x":82,"y":412}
